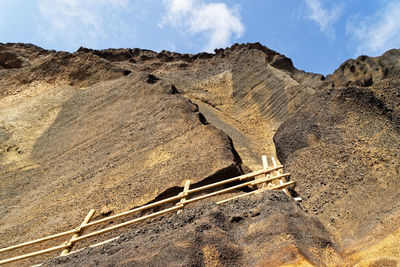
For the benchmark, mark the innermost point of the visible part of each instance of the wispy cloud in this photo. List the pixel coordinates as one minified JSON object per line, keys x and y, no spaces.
{"x":323,"y":17}
{"x":216,"y":21}
{"x":74,"y":23}
{"x":376,"y":34}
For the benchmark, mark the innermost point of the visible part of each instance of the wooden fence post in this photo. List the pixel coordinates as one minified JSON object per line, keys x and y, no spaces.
{"x":265,"y":165}
{"x":282,"y":180}
{"x":261,"y":176}
{"x":184,"y":193}
{"x":71,"y":241}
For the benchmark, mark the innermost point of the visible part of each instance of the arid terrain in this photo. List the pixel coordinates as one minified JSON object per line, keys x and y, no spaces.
{"x":114,"y":129}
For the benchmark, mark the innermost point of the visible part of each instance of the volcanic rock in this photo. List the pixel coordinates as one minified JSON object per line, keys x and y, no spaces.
{"x":123,"y":142}
{"x":342,"y":148}
{"x":365,"y":70}
{"x":115,"y":129}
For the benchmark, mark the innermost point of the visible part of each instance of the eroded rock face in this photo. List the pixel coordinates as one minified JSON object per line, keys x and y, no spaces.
{"x":61,"y":68}
{"x":246,"y":91}
{"x":9,"y":60}
{"x":116,"y":128}
{"x":342,"y":148}
{"x":120,"y":143}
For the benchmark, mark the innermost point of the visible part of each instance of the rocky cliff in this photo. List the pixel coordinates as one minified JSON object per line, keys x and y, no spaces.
{"x":117,"y":128}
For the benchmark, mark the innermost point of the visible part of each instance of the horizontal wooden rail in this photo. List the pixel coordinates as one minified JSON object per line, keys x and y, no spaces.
{"x":73,"y":231}
{"x":235,"y":187}
{"x":243,"y":195}
{"x":127,"y":223}
{"x":145,"y":207}
{"x":283,"y":185}
{"x":237,"y":178}
{"x":256,"y":191}
{"x":34,"y":254}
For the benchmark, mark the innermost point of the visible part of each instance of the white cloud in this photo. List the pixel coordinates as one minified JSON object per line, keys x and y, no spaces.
{"x":74,"y":23}
{"x":376,"y":34}
{"x":215,"y":21}
{"x":323,"y":17}
{"x":178,"y":6}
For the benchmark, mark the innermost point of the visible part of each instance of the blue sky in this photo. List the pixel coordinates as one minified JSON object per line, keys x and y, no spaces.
{"x":318,"y":35}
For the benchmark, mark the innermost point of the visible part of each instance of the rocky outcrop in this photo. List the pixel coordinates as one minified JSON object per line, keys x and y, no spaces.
{"x":16,"y":55}
{"x":59,"y":68}
{"x":9,"y":60}
{"x":365,"y":70}
{"x":342,"y":148}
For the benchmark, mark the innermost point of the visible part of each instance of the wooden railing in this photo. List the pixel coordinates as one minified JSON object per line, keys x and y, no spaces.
{"x":268,"y":178}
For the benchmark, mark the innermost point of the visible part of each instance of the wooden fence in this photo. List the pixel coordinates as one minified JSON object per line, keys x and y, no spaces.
{"x":261,"y":180}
